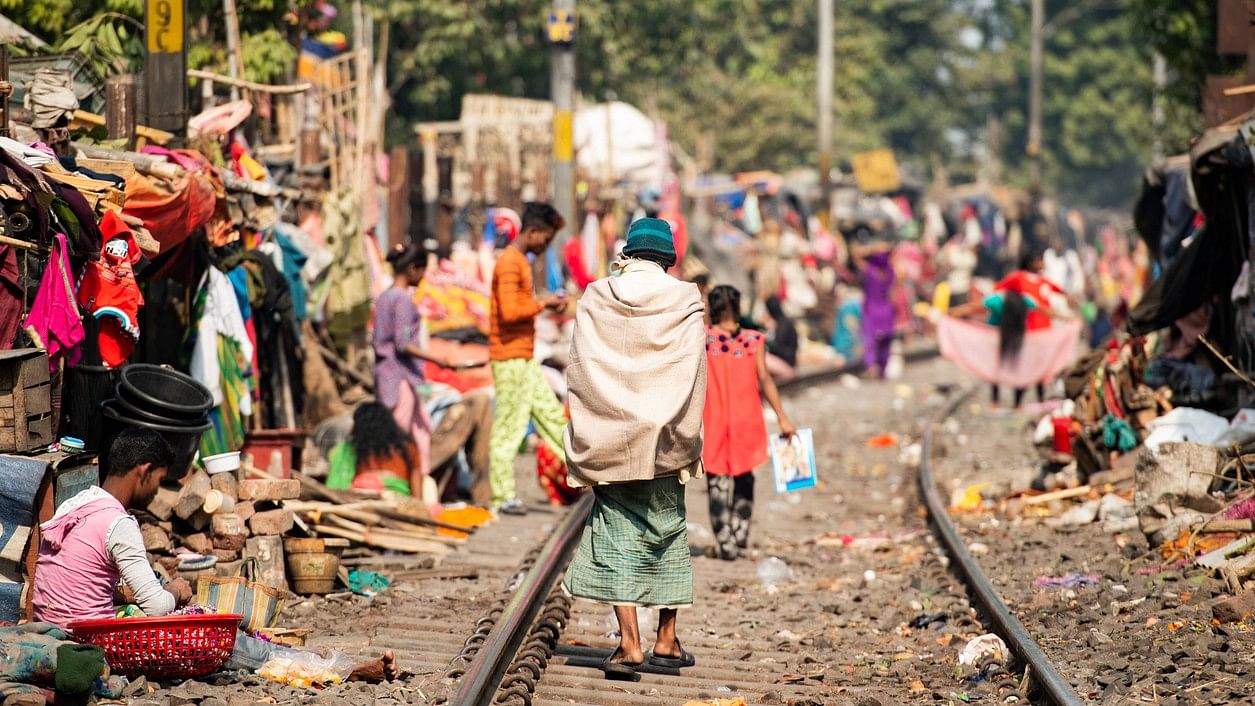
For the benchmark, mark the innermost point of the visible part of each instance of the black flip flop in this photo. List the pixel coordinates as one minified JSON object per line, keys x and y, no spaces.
{"x":618,"y":670}
{"x":684,"y":661}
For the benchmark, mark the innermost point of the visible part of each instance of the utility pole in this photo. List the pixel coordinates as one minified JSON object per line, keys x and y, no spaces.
{"x":825,"y":110}
{"x":1035,"y":98}
{"x":562,"y":92}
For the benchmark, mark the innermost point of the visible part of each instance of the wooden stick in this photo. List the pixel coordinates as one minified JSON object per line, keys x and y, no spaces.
{"x":278,"y":90}
{"x":151,"y":134}
{"x":416,"y":546}
{"x":6,"y":240}
{"x":1055,"y":495}
{"x":318,"y":490}
{"x":1225,"y":359}
{"x":1218,"y":526}
{"x":363,"y":519}
{"x":1240,"y":90}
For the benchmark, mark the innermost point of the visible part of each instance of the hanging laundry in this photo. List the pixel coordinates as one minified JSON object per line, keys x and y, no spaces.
{"x":219,"y":315}
{"x":54,"y":315}
{"x":10,"y":296}
{"x":107,"y":291}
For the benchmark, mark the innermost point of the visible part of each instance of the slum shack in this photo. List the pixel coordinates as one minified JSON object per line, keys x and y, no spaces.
{"x":210,"y":289}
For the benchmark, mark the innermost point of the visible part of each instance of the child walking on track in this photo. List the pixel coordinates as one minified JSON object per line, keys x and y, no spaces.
{"x":735,"y":431}
{"x":521,"y":391}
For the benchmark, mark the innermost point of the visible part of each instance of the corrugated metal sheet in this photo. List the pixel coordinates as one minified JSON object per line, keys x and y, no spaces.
{"x":13,"y":33}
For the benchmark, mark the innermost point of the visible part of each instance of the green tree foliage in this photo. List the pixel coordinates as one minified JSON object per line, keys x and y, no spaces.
{"x":939,"y":81}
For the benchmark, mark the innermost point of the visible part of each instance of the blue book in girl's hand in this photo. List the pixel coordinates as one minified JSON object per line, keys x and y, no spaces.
{"x":793,"y":461}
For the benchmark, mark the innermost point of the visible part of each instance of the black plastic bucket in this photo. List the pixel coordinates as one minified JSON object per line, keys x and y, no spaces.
{"x":183,"y":439}
{"x":127,"y":408}
{"x":164,"y":392}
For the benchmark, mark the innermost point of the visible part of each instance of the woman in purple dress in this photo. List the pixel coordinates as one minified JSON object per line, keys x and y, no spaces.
{"x":399,"y":351}
{"x":877,"y":276}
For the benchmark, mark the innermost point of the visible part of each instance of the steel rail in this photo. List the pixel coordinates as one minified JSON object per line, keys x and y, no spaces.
{"x":478,"y":686}
{"x":479,"y":683}
{"x":1000,"y":617}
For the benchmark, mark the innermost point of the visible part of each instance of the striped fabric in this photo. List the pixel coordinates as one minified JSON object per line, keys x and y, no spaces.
{"x":258,"y":603}
{"x":634,"y":550}
{"x":227,"y":433}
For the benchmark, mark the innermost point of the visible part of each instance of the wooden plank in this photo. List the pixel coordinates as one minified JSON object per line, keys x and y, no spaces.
{"x":84,"y":118}
{"x":38,"y":400}
{"x":1056,"y":495}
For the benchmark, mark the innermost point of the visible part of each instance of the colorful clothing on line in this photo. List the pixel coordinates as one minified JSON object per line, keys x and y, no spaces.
{"x":54,"y":314}
{"x":731,"y":501}
{"x":522,"y":395}
{"x":227,"y":433}
{"x":634,"y":550}
{"x":735,"y":431}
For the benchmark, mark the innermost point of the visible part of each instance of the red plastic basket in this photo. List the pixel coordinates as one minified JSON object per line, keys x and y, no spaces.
{"x":173,"y":647}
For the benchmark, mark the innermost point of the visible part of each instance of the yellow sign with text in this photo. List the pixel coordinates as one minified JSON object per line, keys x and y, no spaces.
{"x":563,"y":142}
{"x":164,"y":22}
{"x":876,"y":171}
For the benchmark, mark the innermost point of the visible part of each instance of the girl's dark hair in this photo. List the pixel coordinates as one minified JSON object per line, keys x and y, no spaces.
{"x":775,"y":308}
{"x":1031,"y":256}
{"x":376,"y":434}
{"x":1011,"y":329}
{"x":724,"y":302}
{"x":402,"y":257}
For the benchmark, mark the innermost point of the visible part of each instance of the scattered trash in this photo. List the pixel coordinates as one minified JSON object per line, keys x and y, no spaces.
{"x":911,"y":456}
{"x":367,"y":583}
{"x":305,"y":669}
{"x":926,"y":619}
{"x":980,"y":648}
{"x":738,"y":701}
{"x":1074,"y":579}
{"x":773,"y":572}
{"x":1082,"y":514}
{"x":883,"y":441}
{"x":1172,"y":481}
{"x":969,"y":499}
{"x":850,"y":382}
{"x":789,"y":636}
{"x":1186,"y":424}
{"x":978,"y":549}
{"x":869,"y":577}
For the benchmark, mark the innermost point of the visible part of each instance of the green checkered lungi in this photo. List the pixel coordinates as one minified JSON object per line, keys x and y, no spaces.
{"x":635,"y":550}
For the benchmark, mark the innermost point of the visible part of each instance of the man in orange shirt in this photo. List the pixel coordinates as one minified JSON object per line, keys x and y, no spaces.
{"x":521,"y":391}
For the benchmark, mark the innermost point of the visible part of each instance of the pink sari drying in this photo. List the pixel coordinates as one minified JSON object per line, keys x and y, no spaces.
{"x":973,"y":346}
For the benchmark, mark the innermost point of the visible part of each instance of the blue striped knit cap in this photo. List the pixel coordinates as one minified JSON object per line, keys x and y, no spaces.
{"x":651,"y":236}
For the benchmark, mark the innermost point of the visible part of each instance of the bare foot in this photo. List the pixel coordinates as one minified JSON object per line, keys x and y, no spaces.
{"x":377,"y":670}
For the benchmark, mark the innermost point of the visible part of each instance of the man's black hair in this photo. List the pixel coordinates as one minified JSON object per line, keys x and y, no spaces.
{"x":136,"y":446}
{"x":541,"y":216}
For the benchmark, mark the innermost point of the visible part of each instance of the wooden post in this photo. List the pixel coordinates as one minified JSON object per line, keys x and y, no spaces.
{"x":235,"y":54}
{"x":165,"y":70}
{"x":6,"y":90}
{"x":120,"y":109}
{"x":399,"y":196}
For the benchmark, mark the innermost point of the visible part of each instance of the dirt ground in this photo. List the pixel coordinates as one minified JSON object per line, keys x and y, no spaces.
{"x":862,"y":569}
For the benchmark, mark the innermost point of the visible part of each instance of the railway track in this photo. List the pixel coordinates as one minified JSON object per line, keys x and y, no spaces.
{"x":534,"y":646}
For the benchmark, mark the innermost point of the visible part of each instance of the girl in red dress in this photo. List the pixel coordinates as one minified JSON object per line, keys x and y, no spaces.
{"x":735,"y":432}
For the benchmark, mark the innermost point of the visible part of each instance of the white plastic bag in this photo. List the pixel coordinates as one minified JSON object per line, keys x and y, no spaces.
{"x":304,"y":669}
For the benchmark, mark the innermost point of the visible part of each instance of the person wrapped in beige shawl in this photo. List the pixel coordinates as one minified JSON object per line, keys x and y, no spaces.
{"x":637,"y":388}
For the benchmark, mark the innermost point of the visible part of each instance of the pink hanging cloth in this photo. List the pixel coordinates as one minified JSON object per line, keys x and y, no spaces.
{"x":54,"y":314}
